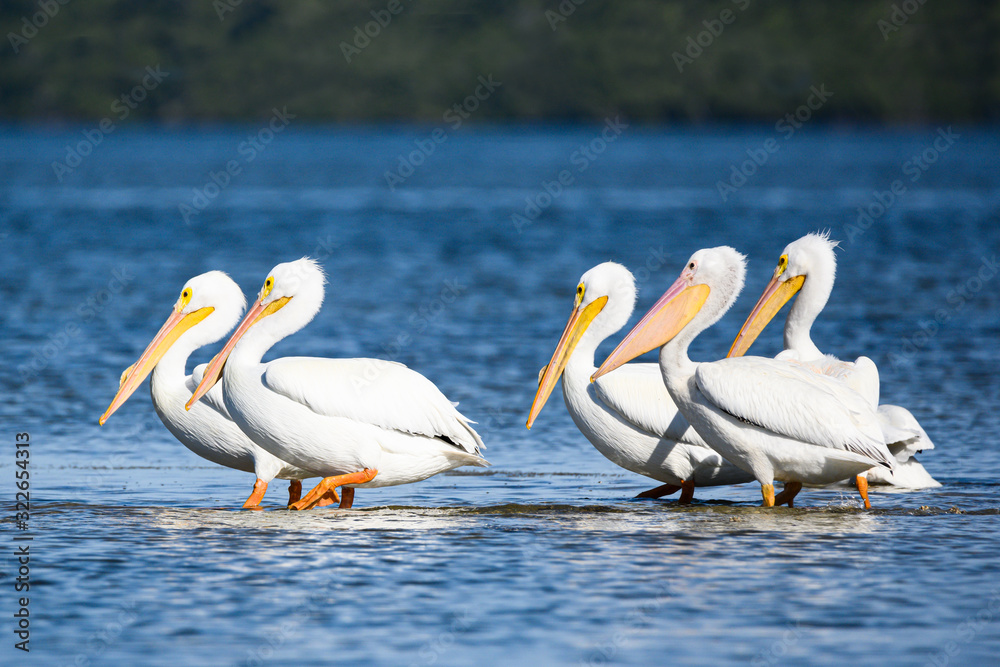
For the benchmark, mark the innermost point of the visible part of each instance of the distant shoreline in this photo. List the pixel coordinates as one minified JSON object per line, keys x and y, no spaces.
{"x":575,"y":61}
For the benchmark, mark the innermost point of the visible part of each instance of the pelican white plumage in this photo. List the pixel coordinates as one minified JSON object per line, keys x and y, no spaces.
{"x":628,"y":416}
{"x":807,"y":267}
{"x":209,"y":306}
{"x":358,"y":422}
{"x":774,"y":419}
{"x":908,"y":473}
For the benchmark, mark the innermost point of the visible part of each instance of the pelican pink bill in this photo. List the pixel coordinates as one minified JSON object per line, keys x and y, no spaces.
{"x":628,"y":417}
{"x":774,"y":419}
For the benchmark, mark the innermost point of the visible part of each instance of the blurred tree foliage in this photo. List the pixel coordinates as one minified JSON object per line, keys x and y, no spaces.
{"x":237,"y":59}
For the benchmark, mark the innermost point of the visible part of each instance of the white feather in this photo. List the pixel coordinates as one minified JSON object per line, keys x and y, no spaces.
{"x":791,"y":401}
{"x":214,"y":398}
{"x":336,"y":416}
{"x":813,"y":256}
{"x":372,"y":391}
{"x":628,"y":416}
{"x":637,"y":393}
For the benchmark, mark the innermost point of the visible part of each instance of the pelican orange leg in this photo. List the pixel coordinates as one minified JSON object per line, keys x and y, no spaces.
{"x":863,"y":490}
{"x":787,"y":495}
{"x":328,"y":487}
{"x":767,"y":491}
{"x":259,"y":489}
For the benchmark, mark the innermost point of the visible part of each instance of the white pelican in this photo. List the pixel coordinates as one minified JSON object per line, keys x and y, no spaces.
{"x":908,"y":473}
{"x":628,"y":416}
{"x":208,"y":307}
{"x":358,"y":422}
{"x":807,"y":267}
{"x":775,"y":419}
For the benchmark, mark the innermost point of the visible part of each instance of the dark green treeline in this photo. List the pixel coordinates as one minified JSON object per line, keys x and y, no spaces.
{"x":884,"y":61}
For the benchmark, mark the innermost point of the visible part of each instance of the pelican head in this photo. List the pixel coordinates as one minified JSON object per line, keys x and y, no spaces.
{"x":708,"y":285}
{"x":208,"y":307}
{"x":604,"y":301}
{"x":295,"y":289}
{"x":812,"y":257}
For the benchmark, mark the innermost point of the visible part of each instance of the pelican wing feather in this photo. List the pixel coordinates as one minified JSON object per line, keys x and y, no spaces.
{"x":373,"y":391}
{"x":795,"y":402}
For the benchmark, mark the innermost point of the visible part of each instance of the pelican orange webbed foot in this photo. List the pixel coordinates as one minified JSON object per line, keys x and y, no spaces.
{"x":329,"y":486}
{"x":328,"y":498}
{"x":312,"y":500}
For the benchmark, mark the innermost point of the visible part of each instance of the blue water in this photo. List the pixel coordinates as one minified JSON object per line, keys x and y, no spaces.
{"x":140,"y":555}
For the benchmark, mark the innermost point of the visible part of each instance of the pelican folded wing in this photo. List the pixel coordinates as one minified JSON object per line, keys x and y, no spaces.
{"x":372,"y":391}
{"x":796,"y":403}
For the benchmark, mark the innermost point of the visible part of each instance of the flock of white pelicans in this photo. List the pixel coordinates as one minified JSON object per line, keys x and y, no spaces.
{"x":802,"y":418}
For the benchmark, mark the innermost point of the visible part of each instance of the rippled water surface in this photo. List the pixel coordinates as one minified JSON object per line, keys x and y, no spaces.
{"x":140,"y":555}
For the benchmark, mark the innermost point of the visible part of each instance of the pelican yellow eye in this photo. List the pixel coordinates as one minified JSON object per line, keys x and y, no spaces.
{"x":268,"y":286}
{"x":185,"y":299}
{"x":579,"y":295}
{"x":782,"y":264}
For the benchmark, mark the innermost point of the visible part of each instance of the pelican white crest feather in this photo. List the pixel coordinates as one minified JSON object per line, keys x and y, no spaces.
{"x":806,"y":271}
